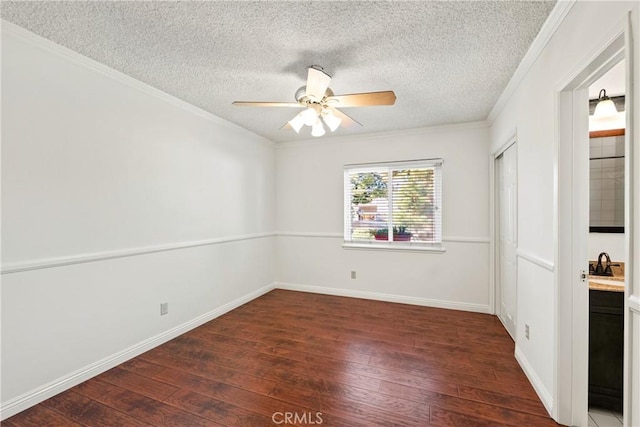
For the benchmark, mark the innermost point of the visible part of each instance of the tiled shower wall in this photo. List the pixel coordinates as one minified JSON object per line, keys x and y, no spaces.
{"x":607,"y":181}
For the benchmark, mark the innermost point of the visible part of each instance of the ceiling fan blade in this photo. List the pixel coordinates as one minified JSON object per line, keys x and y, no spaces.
{"x":266,"y":104}
{"x":317,"y":83}
{"x":347,"y":122}
{"x":368,"y":99}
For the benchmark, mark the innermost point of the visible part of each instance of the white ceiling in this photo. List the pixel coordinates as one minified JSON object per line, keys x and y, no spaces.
{"x":448,"y":62}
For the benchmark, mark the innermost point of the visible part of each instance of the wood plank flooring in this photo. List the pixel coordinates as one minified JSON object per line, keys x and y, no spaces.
{"x":293,"y":358}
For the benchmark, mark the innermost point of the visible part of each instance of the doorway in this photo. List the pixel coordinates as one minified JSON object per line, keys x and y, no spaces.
{"x":506,"y":231}
{"x":606,"y":243}
{"x":572,"y":257}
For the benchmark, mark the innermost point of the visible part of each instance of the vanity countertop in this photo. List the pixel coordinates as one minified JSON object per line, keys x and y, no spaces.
{"x":598,"y":285}
{"x":613,"y":283}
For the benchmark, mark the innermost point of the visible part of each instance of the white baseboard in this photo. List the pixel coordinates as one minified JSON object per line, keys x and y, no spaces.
{"x":544,"y":394}
{"x":33,"y":397}
{"x":452,"y":305}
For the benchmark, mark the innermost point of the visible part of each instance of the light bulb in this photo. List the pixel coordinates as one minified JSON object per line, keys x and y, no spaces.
{"x":332,"y":121}
{"x":317,"y":129}
{"x":606,"y":107}
{"x":309,"y":116}
{"x":297,"y":122}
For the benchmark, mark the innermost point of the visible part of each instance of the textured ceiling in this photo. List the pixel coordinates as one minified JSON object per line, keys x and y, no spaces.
{"x":448,"y":62}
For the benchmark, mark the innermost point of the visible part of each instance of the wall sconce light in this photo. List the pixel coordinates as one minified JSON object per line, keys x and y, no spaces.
{"x":605,"y":107}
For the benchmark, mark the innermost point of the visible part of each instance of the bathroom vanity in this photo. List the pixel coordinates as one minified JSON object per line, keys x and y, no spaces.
{"x":606,"y":341}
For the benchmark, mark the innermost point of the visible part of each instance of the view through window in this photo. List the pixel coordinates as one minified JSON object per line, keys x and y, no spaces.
{"x":394,"y":202}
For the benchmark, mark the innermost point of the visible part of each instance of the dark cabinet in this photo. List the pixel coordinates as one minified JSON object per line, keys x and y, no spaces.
{"x":606,"y":347}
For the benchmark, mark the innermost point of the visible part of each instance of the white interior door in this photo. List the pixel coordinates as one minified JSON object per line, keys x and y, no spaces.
{"x":507,"y":230}
{"x":632,"y":227}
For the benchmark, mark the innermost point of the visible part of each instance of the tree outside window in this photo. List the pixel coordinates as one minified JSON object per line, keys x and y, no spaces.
{"x":403,"y":199}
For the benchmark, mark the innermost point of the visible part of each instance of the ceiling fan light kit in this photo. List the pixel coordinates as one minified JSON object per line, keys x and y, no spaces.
{"x":317,"y":129}
{"x":296,"y":123}
{"x":319,"y":103}
{"x":331,"y":120}
{"x":309,"y":116}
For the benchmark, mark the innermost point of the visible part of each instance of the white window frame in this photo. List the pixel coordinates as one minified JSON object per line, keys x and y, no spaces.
{"x":436,"y":246}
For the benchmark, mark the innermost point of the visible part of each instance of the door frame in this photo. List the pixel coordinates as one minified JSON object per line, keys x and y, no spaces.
{"x":495,"y":228}
{"x":571,"y":227}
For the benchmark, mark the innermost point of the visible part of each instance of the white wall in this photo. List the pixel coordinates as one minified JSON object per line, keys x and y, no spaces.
{"x":532,"y":111}
{"x":611,"y":243}
{"x":310,"y":216}
{"x":115,"y":198}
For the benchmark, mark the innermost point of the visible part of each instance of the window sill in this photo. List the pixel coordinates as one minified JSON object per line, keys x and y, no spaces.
{"x":402,"y":247}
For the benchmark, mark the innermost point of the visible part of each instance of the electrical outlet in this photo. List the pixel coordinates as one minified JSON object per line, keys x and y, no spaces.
{"x":164,"y":308}
{"x":526,"y":331}
{"x":353,"y":274}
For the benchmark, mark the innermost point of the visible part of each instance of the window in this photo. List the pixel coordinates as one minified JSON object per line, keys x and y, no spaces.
{"x":395,"y":205}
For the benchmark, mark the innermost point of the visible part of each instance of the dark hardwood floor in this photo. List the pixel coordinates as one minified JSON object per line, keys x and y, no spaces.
{"x":292,"y":358}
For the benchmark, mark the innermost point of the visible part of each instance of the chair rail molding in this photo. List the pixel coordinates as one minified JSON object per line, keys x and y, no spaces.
{"x":454,"y":239}
{"x":20,"y":266}
{"x":540,"y":262}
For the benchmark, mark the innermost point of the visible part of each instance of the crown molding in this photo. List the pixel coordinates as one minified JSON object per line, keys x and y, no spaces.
{"x":90,"y":64}
{"x":549,"y":28}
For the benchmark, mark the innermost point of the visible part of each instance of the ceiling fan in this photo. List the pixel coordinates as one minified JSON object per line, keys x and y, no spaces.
{"x":320,"y":104}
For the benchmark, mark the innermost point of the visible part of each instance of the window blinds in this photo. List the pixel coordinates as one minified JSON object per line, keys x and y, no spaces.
{"x":394,"y":203}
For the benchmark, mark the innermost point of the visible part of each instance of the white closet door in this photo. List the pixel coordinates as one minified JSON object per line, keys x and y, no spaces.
{"x":508,"y":237}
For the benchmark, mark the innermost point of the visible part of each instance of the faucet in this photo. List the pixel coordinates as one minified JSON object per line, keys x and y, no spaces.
{"x":603,"y":270}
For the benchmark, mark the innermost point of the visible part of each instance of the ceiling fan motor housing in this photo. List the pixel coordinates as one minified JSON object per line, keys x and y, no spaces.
{"x":301,"y":96}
